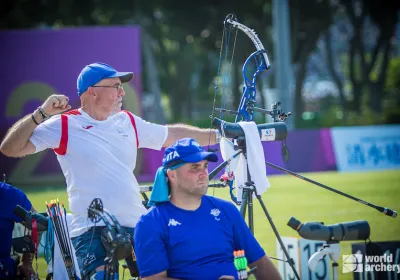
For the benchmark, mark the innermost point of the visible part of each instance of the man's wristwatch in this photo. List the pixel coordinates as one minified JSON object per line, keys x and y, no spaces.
{"x":43,"y":114}
{"x":33,"y":118}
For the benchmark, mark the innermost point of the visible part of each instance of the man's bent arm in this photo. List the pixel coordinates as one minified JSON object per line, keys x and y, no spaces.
{"x":159,"y":276}
{"x":265,"y":269}
{"x":16,"y":142}
{"x":204,"y":136}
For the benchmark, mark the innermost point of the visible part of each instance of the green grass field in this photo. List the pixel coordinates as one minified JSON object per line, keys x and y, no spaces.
{"x":290,"y":196}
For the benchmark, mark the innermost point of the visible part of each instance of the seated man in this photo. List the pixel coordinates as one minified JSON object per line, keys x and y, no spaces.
{"x":10,"y":197}
{"x":190,"y":235}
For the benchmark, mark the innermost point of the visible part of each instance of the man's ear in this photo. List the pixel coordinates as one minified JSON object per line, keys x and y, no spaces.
{"x":171,"y":174}
{"x":92,"y":92}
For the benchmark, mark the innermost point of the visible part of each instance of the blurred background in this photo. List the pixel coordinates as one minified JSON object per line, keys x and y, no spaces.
{"x":334,"y":63}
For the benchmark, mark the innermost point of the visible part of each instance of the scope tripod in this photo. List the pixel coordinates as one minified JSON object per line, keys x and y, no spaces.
{"x":330,"y":248}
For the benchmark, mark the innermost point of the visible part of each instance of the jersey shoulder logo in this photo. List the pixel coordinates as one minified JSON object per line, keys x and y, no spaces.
{"x":173,"y":223}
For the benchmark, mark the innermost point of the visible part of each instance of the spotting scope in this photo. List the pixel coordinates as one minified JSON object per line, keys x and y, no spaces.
{"x":356,"y":230}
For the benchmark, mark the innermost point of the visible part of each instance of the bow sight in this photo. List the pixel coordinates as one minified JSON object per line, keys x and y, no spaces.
{"x":277,"y":114}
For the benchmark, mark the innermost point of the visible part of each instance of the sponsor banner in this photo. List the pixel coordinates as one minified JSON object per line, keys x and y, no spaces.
{"x":365,"y":148}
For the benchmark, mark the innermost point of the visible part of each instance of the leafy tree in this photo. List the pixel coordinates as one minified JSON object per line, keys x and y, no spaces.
{"x":392,"y":110}
{"x":369,"y":82}
{"x":309,"y":20}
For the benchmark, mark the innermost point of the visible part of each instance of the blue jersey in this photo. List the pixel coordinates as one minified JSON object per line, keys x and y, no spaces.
{"x":195,"y":244}
{"x":10,"y":197}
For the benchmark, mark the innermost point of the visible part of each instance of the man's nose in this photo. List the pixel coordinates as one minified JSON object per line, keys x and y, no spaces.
{"x":121,"y":92}
{"x":204,"y":172}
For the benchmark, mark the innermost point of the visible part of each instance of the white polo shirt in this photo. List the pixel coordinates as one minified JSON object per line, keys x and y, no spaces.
{"x":99,"y":160}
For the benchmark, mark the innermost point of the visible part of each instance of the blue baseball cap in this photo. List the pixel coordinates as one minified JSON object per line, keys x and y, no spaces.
{"x":186,"y":150}
{"x":95,"y":72}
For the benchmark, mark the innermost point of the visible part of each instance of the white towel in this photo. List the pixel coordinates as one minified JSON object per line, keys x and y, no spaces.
{"x":59,"y":270}
{"x":227,"y":151}
{"x":255,"y":159}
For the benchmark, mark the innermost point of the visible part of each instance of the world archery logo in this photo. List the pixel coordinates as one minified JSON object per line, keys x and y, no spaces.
{"x":352,"y":263}
{"x":215,"y":212}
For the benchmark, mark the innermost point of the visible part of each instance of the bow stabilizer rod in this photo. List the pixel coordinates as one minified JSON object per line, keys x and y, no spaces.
{"x":384,"y":210}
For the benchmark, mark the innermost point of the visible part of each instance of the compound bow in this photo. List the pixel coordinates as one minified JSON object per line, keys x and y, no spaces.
{"x":255,"y":64}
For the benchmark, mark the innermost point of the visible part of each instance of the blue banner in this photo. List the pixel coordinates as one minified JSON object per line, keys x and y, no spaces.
{"x":366,"y":147}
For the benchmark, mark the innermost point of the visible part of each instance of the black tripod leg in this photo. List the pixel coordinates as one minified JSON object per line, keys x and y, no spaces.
{"x":290,"y":260}
{"x":243,"y":205}
{"x":250,"y":213}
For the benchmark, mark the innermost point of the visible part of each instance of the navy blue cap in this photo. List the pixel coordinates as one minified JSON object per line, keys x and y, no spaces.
{"x":95,"y":72}
{"x":186,"y":150}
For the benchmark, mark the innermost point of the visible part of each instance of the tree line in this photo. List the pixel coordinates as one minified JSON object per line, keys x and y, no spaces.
{"x":354,"y":42}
